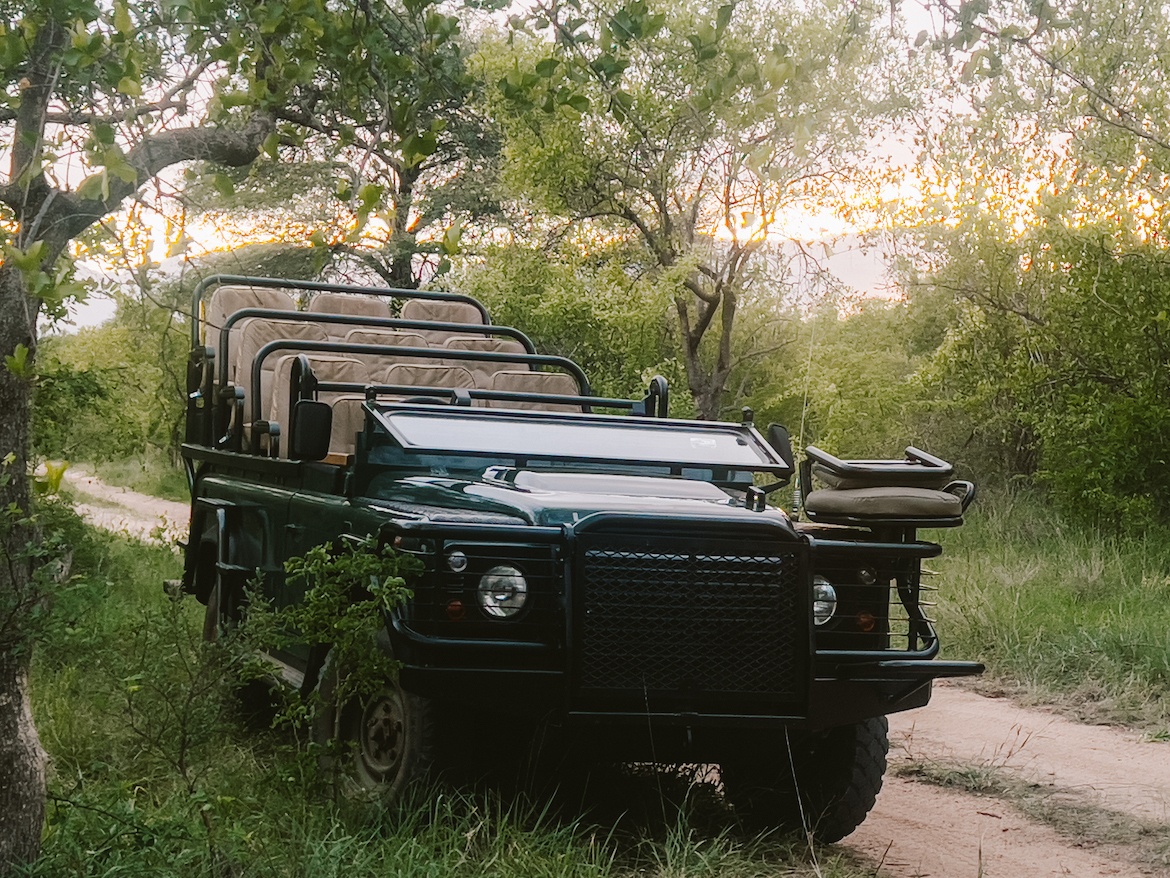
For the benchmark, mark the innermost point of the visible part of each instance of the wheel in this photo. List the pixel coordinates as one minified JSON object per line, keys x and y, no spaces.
{"x":376,"y":746}
{"x":838,"y":774}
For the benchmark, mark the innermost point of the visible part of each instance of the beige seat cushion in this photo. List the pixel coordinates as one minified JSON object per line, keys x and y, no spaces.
{"x":349,"y":303}
{"x":325,"y":368}
{"x":227,"y":300}
{"x":923,"y":479}
{"x":483,"y":370}
{"x":386,"y":337}
{"x":348,"y":420}
{"x":255,"y":333}
{"x":883,"y":502}
{"x":442,"y":311}
{"x":424,"y":376}
{"x":517,"y":381}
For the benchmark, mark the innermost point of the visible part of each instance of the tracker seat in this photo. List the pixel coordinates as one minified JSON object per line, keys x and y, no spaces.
{"x":915,"y":492}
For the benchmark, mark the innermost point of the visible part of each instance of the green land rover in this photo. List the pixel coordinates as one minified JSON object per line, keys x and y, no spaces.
{"x":590,"y":567}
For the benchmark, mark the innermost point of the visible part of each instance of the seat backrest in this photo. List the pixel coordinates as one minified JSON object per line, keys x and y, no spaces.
{"x":442,"y":311}
{"x":349,"y":303}
{"x":376,"y":361}
{"x":516,"y":381}
{"x":255,"y":333}
{"x":325,"y":367}
{"x":483,"y":370}
{"x":227,"y":300}
{"x":348,"y":420}
{"x":424,"y":375}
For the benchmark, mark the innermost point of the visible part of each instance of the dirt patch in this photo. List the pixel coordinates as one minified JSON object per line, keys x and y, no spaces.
{"x":121,"y":510}
{"x":919,"y":830}
{"x":1115,"y":769}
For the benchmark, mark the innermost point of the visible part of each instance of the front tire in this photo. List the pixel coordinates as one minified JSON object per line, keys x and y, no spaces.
{"x":377,"y":746}
{"x":827,"y":788}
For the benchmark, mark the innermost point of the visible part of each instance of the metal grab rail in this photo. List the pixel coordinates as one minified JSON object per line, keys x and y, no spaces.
{"x":361,"y":321}
{"x":421,"y":353}
{"x":319,"y":287}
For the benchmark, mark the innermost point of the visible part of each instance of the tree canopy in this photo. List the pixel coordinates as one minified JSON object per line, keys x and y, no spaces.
{"x":691,"y":130}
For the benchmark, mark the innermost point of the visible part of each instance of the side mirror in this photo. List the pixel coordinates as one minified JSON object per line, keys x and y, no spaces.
{"x":311,"y":425}
{"x":779,"y":439}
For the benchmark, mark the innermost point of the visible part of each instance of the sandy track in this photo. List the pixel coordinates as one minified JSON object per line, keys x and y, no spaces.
{"x":124,"y":511}
{"x":916,"y":830}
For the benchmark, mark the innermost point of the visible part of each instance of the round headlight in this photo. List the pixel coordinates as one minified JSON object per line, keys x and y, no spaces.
{"x":502,"y":592}
{"x":457,"y":561}
{"x":824,"y":600}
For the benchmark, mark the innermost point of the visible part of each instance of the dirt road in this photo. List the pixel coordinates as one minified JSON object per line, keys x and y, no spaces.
{"x":124,"y":511}
{"x":919,"y":830}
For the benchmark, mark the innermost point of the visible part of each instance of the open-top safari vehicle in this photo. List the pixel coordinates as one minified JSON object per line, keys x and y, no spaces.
{"x":589,"y":566}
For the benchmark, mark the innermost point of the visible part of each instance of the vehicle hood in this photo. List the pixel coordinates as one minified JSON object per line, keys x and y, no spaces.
{"x":553,"y":499}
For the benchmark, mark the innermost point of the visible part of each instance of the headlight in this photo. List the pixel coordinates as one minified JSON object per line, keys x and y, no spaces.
{"x":824,"y":600}
{"x":502,"y":592}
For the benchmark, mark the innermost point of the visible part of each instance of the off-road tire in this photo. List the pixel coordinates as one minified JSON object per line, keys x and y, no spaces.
{"x":838,"y":774}
{"x":378,"y":746}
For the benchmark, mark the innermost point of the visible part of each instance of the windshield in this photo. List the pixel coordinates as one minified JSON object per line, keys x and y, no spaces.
{"x":523,"y":436}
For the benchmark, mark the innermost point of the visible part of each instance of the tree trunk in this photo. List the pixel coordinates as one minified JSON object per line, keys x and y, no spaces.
{"x":22,"y":768}
{"x":22,"y":761}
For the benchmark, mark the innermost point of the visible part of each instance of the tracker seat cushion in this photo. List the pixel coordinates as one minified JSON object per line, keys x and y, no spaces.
{"x":889,"y":502}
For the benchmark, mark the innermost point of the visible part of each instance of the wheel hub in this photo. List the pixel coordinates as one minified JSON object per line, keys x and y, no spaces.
{"x":383,"y":731}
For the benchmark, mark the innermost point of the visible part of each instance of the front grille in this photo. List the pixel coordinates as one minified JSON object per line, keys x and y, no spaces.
{"x":689,"y":617}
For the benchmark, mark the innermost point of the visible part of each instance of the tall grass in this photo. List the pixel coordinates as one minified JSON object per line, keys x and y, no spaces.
{"x":1065,"y":613}
{"x":156,"y":771}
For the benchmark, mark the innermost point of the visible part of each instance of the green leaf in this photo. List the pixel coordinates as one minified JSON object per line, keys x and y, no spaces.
{"x":18,"y":363}
{"x":547,"y":67}
{"x":369,"y":194}
{"x":451,"y":240}
{"x":93,"y":187}
{"x":578,"y":102}
{"x":25,"y":261}
{"x":122,"y":21}
{"x":223,"y":185}
{"x":723,"y":18}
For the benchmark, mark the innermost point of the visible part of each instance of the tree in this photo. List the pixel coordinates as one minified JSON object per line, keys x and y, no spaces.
{"x":390,"y":160}
{"x":584,"y":306}
{"x":103,"y":99}
{"x":691,"y":131}
{"x":1047,"y":231}
{"x":1071,"y":61}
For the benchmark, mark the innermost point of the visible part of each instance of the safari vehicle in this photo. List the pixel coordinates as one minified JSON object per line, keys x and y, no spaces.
{"x":590,"y":566}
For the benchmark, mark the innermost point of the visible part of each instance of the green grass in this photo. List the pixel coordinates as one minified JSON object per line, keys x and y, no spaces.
{"x":1060,"y":613}
{"x":155,"y":771}
{"x":151,"y":473}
